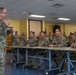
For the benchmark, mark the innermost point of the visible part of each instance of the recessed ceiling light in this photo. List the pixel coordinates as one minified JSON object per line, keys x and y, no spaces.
{"x":65,"y":19}
{"x":37,"y":16}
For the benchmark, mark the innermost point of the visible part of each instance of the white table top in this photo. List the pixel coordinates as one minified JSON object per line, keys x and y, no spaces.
{"x":37,"y":47}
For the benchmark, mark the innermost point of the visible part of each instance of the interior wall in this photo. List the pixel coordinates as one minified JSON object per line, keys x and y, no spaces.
{"x":23,"y":26}
{"x":35,"y":26}
{"x":16,"y":25}
{"x":70,"y":28}
{"x":48,"y":27}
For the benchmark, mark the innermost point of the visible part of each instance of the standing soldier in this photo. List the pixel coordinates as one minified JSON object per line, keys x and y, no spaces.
{"x":3,"y":33}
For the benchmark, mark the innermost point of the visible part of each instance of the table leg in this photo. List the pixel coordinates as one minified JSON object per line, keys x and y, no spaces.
{"x":17,"y":55}
{"x":68,"y":56}
{"x":50,"y":61}
{"x":26,"y":56}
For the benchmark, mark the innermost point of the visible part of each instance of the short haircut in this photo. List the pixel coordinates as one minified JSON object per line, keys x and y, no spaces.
{"x":32,"y":32}
{"x":58,"y":29}
{"x":43,"y":32}
{"x":72,"y":33}
{"x":1,"y":9}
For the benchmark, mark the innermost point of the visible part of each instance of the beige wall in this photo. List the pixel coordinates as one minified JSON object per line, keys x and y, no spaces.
{"x":35,"y":26}
{"x":22,"y":26}
{"x":48,"y":27}
{"x":62,"y":26}
{"x":70,"y":28}
{"x":16,"y":25}
{"x":67,"y":28}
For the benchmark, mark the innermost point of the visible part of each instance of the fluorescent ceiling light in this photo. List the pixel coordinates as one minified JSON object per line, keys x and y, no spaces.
{"x":66,"y":19}
{"x":37,"y":16}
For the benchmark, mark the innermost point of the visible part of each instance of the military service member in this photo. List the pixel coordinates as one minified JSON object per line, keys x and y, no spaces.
{"x":58,"y":41}
{"x":32,"y":40}
{"x":73,"y":45}
{"x":43,"y":40}
{"x":16,"y":39}
{"x":23,"y":40}
{"x":3,"y":33}
{"x":73,"y":39}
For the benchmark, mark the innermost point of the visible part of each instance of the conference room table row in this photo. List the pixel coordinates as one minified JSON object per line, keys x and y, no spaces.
{"x":68,"y":50}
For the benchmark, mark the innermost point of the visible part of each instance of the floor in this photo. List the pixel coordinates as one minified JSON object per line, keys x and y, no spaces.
{"x":11,"y":70}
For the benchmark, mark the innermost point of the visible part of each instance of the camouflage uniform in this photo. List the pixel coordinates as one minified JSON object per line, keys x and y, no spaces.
{"x":43,"y":41}
{"x":58,"y":41}
{"x":32,"y":41}
{"x":23,"y":42}
{"x":73,"y":54}
{"x":71,"y":40}
{"x":50,"y":38}
{"x":16,"y":40}
{"x":3,"y":34}
{"x":66,"y":37}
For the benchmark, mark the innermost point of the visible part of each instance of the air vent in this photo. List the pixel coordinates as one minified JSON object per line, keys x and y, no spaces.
{"x":57,"y":5}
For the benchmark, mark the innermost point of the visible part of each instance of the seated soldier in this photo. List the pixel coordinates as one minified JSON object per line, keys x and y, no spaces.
{"x":23,"y":40}
{"x":73,"y":45}
{"x":31,"y":43}
{"x":32,"y":39}
{"x":16,"y":39}
{"x":43,"y":40}
{"x":72,"y":39}
{"x":58,"y":41}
